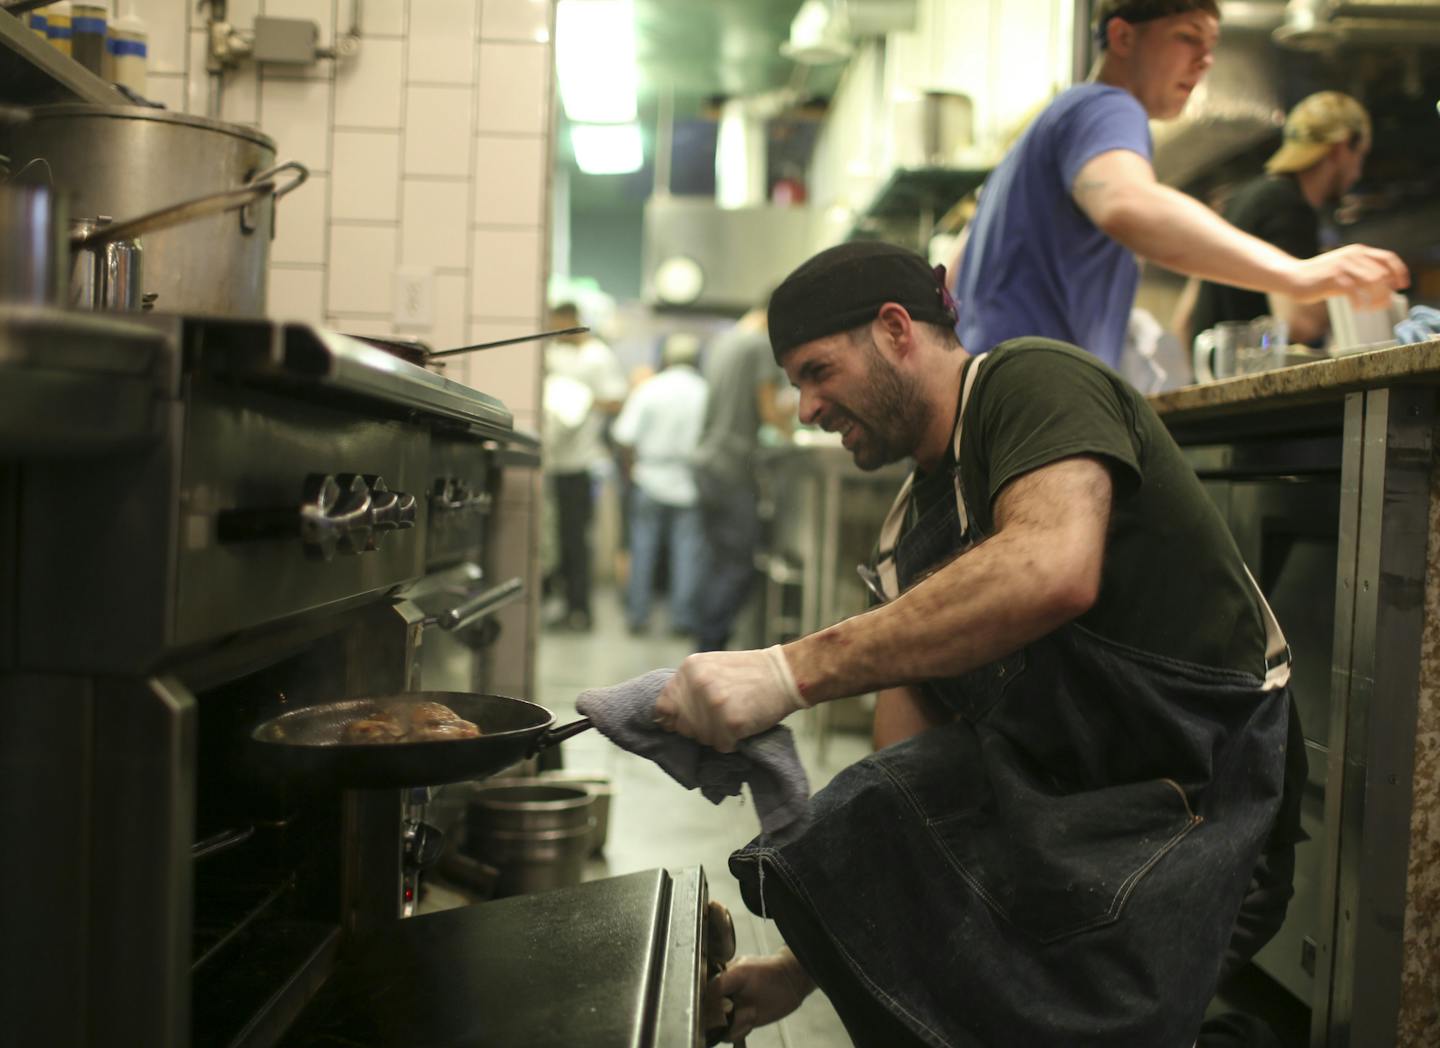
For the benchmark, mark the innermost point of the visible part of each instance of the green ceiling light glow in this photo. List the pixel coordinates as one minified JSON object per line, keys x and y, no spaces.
{"x":595,"y":60}
{"x":607,"y":149}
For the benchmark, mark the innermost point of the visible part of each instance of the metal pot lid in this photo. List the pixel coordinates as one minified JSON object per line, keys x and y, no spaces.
{"x":163,"y":116}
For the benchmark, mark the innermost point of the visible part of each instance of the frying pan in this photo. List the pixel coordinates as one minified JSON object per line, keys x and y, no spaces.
{"x":305,"y":743}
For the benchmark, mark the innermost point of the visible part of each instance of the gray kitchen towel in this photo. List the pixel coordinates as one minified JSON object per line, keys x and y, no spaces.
{"x":625,"y":714}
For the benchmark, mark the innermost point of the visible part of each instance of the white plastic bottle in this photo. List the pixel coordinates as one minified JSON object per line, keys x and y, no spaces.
{"x":128,"y":52}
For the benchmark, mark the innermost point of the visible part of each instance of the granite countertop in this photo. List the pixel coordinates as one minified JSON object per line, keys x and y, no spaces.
{"x":1305,"y":383}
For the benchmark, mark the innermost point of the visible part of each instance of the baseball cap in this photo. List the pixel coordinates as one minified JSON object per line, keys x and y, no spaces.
{"x":844,"y":287}
{"x":1317,"y":123}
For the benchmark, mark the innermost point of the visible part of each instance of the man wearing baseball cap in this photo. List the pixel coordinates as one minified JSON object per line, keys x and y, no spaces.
{"x":1062,"y":221}
{"x":1321,"y":156}
{"x":1084,"y":701}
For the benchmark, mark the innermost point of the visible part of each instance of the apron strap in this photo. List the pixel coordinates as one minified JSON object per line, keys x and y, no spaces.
{"x":1277,"y":650}
{"x":970,"y":373}
{"x":885,"y":576}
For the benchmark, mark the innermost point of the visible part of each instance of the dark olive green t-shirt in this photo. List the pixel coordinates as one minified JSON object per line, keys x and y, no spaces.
{"x":1173,"y":582}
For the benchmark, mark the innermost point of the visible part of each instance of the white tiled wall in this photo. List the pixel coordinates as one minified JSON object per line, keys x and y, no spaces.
{"x":429,"y":150}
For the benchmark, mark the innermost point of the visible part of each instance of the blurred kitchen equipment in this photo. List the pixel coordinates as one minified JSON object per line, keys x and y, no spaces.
{"x":1352,"y":330}
{"x":1239,"y":347}
{"x":305,"y":743}
{"x":33,"y":259}
{"x":603,"y":790}
{"x":537,"y":834}
{"x":947,"y":127}
{"x":131,"y":160}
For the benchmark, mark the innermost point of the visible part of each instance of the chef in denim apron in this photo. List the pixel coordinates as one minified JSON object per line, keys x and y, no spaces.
{"x":1094,"y":907}
{"x":1062,"y":859}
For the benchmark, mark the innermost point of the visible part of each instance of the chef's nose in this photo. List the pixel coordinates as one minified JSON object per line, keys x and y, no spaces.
{"x":810,"y":406}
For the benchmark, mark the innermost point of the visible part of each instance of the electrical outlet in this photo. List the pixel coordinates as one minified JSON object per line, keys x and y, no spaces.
{"x":414,"y":298}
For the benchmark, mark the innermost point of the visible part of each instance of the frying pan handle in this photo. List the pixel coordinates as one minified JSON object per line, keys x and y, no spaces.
{"x":560,"y":734}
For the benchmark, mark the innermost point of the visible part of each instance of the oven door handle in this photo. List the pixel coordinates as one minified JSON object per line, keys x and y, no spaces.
{"x":483,"y":603}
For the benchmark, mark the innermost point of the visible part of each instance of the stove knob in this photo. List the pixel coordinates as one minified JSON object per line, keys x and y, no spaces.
{"x":317,"y":533}
{"x":384,"y":508}
{"x":335,"y":515}
{"x":391,"y":510}
{"x":404,"y":510}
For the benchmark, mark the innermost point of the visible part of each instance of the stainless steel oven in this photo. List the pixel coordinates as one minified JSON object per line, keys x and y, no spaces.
{"x":205,"y":522}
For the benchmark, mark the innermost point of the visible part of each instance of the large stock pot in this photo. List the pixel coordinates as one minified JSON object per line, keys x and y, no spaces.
{"x":128,"y":160}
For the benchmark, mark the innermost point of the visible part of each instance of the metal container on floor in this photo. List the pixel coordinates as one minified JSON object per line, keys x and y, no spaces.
{"x":536,"y":833}
{"x":601,"y":788}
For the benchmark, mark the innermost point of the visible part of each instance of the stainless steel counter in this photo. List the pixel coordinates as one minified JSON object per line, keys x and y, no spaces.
{"x":1328,"y":475}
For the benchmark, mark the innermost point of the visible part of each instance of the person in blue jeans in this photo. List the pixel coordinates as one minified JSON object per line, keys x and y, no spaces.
{"x":745,"y":386}
{"x":1054,"y":245}
{"x":657,"y":430}
{"x":1083,"y":698}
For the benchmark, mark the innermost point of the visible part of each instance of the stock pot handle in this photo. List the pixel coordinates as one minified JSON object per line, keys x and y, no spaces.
{"x":248,"y":224}
{"x":268,"y":175}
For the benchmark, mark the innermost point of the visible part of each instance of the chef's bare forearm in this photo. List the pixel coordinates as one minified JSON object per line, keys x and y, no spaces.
{"x":1174,"y":230}
{"x":1118,"y":192}
{"x":1040,"y":570}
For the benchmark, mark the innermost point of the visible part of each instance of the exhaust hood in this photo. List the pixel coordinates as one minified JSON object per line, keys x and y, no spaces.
{"x":1324,"y":25}
{"x":698,"y":255}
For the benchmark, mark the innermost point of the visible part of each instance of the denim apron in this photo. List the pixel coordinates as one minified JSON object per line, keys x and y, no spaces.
{"x":1059,"y":865}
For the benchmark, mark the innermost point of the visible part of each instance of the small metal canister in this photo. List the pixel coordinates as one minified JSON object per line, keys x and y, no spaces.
{"x":105,"y":275}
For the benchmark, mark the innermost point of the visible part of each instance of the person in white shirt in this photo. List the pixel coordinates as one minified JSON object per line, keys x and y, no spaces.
{"x":659,"y":428}
{"x":584,"y":388}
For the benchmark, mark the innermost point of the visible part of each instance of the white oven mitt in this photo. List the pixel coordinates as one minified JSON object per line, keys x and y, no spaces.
{"x":625,"y":714}
{"x":721,"y":697}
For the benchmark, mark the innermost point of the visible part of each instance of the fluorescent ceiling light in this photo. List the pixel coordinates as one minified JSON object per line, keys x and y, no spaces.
{"x":607,"y":149}
{"x":595,"y":60}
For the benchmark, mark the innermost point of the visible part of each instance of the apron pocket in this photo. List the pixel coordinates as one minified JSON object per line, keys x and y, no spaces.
{"x":1051,"y":863}
{"x":1055,"y":865}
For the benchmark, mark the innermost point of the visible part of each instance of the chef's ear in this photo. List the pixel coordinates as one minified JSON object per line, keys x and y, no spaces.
{"x":894,"y":325}
{"x":1120,"y":37}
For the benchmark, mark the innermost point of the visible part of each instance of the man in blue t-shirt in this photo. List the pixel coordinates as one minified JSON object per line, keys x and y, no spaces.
{"x":1052,"y":248}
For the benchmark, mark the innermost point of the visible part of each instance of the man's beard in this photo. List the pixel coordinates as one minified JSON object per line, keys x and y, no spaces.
{"x":892,"y":413}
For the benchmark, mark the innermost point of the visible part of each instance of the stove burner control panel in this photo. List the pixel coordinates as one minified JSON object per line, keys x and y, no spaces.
{"x":345,"y":513}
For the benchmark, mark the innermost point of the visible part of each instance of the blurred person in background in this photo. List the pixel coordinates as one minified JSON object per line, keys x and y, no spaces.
{"x":1326,"y":139}
{"x":745,"y":387}
{"x":584,"y":388}
{"x":658,"y":430}
{"x":1055,"y":244}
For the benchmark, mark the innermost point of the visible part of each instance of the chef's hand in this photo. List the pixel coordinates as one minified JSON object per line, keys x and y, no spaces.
{"x":755,"y":991}
{"x":720,"y":697}
{"x":1365,"y":275}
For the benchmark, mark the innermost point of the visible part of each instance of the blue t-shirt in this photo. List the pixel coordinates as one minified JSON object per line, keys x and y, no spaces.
{"x":1034,"y":263}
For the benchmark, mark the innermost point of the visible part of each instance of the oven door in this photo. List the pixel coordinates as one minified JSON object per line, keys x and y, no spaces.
{"x":613,"y":963}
